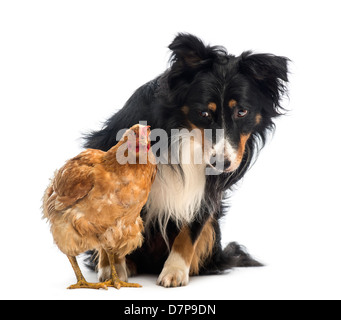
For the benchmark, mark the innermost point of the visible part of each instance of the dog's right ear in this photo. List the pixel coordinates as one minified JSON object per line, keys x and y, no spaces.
{"x":189,"y":55}
{"x":189,"y":51}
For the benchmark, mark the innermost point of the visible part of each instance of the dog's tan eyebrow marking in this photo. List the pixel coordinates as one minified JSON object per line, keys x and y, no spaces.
{"x":212,"y":106}
{"x":232,"y":103}
{"x":258,"y":118}
{"x":185,"y":110}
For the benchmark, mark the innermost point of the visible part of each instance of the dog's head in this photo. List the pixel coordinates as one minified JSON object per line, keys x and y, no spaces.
{"x":236,"y":97}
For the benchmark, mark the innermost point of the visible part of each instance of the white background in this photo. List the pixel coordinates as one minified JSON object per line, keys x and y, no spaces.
{"x":66,"y":66}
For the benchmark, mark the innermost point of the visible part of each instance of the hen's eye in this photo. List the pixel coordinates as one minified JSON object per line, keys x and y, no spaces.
{"x":204,"y":114}
{"x":241,"y":113}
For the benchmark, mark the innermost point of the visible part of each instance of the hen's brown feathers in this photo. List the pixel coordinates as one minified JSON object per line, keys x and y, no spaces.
{"x":75,"y":180}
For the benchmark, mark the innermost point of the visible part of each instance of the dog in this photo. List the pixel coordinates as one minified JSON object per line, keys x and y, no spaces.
{"x":205,"y":89}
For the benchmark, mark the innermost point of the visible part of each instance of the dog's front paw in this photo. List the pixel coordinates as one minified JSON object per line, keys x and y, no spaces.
{"x":173,"y":277}
{"x":175,"y":273}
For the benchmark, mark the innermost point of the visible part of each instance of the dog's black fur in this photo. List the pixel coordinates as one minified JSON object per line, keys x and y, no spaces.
{"x":198,"y":75}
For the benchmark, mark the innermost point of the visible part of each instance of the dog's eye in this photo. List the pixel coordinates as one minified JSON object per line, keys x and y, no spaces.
{"x":204,"y":114}
{"x":241,"y":113}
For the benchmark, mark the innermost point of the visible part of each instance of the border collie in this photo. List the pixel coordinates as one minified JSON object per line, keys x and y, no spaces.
{"x":205,"y":89}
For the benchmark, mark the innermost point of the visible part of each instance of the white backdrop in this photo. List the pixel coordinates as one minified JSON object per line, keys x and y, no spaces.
{"x":66,"y":66}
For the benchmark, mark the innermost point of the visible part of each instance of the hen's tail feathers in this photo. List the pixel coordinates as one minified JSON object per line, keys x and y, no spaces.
{"x":233,"y":256}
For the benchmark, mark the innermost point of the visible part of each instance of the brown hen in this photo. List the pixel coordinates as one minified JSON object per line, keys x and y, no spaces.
{"x":94,"y":202}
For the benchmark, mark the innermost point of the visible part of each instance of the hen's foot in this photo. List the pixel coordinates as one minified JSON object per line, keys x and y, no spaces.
{"x":115,"y":280}
{"x":83,"y":284}
{"x":117,"y":283}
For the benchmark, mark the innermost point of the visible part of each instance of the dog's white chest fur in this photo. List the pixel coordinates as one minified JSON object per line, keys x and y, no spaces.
{"x":176,"y":195}
{"x":178,"y":190}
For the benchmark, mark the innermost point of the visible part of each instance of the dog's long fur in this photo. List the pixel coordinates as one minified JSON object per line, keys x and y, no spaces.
{"x":204,"y":88}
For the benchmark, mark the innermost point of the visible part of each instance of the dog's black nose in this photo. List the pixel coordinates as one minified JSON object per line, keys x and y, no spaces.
{"x":220,"y":164}
{"x":227,"y":164}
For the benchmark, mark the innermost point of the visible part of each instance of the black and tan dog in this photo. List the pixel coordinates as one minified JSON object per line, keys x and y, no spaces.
{"x":205,"y":90}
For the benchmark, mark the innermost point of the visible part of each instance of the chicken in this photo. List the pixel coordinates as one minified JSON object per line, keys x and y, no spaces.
{"x":94,"y":202}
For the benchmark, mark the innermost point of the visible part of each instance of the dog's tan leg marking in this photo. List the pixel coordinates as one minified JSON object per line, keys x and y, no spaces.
{"x":186,"y":256}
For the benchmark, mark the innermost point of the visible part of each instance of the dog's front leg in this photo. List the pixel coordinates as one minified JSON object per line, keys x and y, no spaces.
{"x":175,"y":272}
{"x":190,"y":249}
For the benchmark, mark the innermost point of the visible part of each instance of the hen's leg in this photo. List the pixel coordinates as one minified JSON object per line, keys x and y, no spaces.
{"x":81,"y":282}
{"x":115,"y":280}
{"x":104,"y":268}
{"x":121,"y":268}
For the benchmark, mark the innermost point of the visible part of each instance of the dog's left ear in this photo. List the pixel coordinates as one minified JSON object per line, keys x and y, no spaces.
{"x":269,"y":71}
